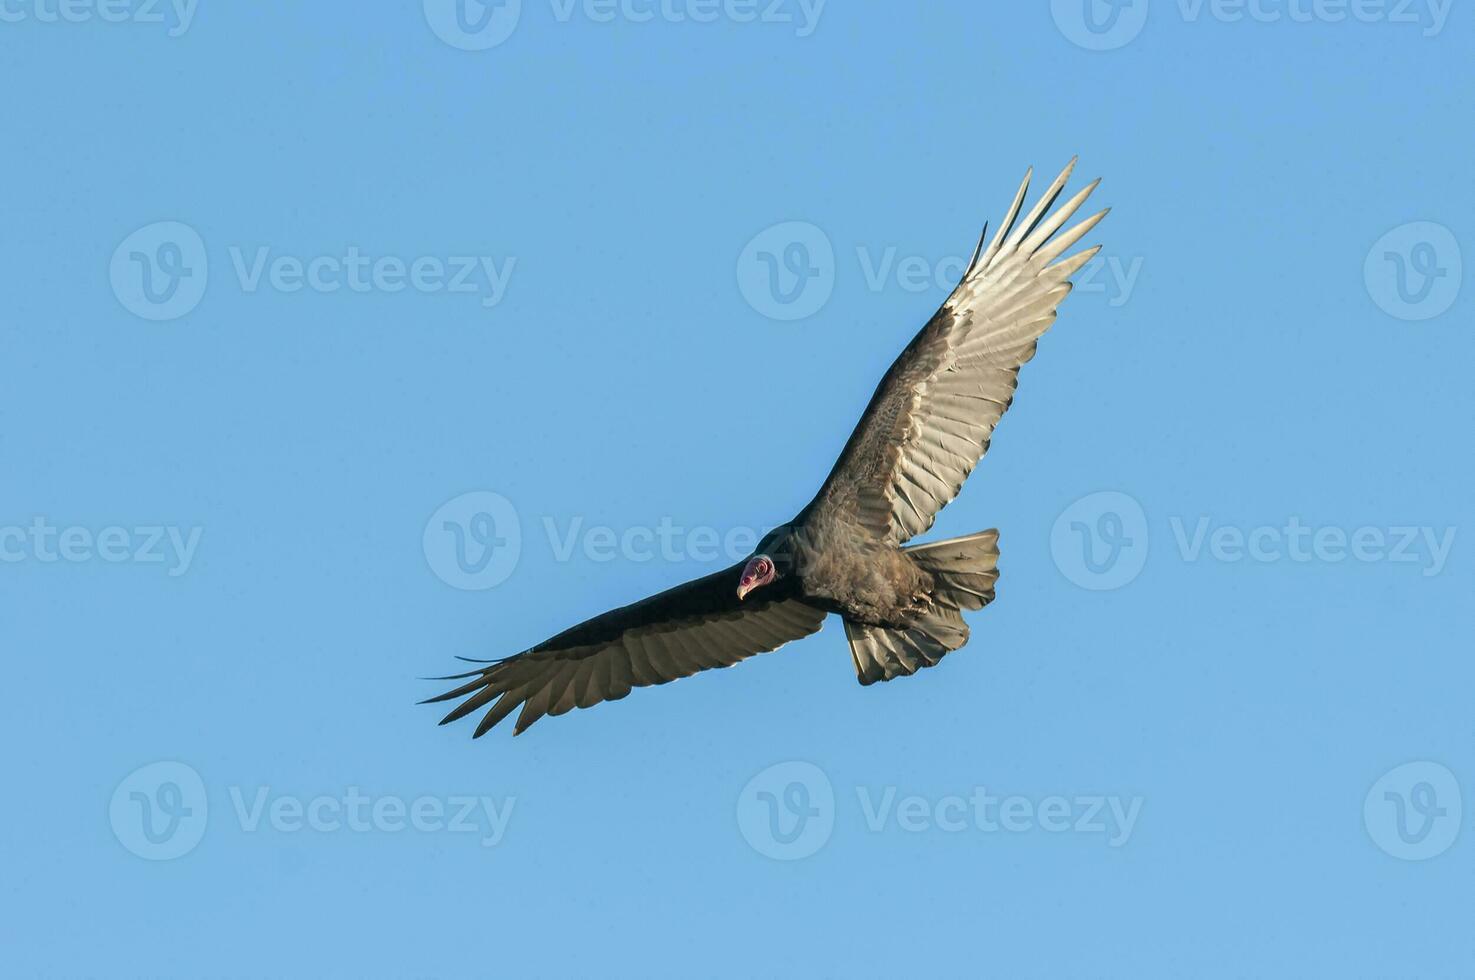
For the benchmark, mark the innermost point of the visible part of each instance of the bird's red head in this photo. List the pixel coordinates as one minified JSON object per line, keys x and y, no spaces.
{"x":757,"y":572}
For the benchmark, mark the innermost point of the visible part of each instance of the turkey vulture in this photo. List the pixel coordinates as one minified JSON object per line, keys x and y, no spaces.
{"x":927,"y":425}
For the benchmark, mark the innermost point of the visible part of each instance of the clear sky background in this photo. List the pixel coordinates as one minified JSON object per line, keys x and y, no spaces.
{"x":1179,"y":742}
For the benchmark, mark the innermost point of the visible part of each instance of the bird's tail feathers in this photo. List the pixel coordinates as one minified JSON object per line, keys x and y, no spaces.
{"x":966,"y":569}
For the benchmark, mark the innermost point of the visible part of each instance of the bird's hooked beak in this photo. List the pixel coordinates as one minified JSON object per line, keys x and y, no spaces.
{"x":757,"y":572}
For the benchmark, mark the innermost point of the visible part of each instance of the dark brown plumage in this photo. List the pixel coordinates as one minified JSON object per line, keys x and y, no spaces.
{"x":926,"y":427}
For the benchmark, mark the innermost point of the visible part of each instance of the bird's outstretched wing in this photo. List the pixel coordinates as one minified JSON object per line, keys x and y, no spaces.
{"x":696,"y":626}
{"x":932,"y":416}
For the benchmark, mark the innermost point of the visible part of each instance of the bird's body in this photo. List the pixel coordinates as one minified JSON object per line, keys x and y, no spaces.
{"x":926,"y":427}
{"x":843,"y":568}
{"x":871,"y":582}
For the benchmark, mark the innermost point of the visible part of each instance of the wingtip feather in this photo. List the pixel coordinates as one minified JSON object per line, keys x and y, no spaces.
{"x":1009,"y":217}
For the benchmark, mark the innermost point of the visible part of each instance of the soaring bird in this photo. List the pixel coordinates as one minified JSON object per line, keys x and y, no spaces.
{"x":926,"y":427}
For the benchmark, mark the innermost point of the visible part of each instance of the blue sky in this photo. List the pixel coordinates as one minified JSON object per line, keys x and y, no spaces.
{"x":339,"y":343}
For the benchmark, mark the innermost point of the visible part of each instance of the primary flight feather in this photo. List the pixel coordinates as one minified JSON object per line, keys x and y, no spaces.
{"x":926,"y":427}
